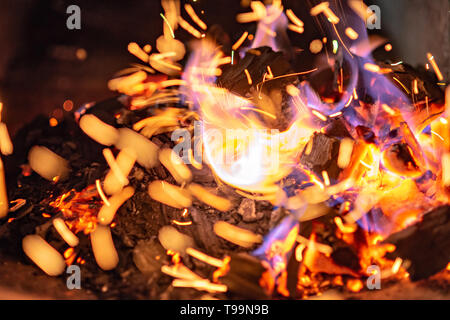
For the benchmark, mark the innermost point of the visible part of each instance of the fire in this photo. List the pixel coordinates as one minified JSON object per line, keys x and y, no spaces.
{"x":237,"y":145}
{"x":79,"y":209}
{"x":394,"y":163}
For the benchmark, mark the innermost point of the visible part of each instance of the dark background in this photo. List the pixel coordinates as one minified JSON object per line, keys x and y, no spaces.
{"x":39,"y":68}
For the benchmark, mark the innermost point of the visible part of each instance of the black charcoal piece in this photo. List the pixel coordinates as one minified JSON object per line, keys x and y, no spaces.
{"x":425,"y":244}
{"x":323,"y":155}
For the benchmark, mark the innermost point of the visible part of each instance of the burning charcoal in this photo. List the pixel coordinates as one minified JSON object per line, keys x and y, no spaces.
{"x":398,"y":158}
{"x":276,"y":216}
{"x":419,"y":85}
{"x":366,"y":134}
{"x":148,"y":256}
{"x":323,"y":155}
{"x":270,"y":92}
{"x":106,"y":110}
{"x":337,"y":128}
{"x":292,"y":276}
{"x":255,"y":62}
{"x":247,"y":210}
{"x":244,"y":276}
{"x":345,"y":255}
{"x":426,"y":81}
{"x":425,"y":244}
{"x":324,"y":229}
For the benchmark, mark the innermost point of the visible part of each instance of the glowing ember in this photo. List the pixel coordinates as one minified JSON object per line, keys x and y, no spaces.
{"x":79,"y":209}
{"x":388,"y":163}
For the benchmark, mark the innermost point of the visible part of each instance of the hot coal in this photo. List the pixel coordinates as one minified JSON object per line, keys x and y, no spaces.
{"x":425,"y":244}
{"x":323,"y":155}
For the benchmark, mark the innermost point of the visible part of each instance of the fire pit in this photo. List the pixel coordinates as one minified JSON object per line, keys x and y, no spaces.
{"x":229,"y":170}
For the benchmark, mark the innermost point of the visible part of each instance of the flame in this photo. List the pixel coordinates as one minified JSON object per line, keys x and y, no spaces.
{"x":79,"y":209}
{"x":395,"y":165}
{"x":241,"y":150}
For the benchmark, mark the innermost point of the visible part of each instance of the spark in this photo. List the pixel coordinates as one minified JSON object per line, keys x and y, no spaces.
{"x":249,"y":78}
{"x":168,"y":24}
{"x":317,"y":182}
{"x":189,"y":28}
{"x":397,"y":264}
{"x":101,"y":193}
{"x":334,"y":115}
{"x":295,"y":28}
{"x":403,"y":86}
{"x":372,"y":67}
{"x":240,"y":41}
{"x":437,"y":135}
{"x":200,"y":285}
{"x":270,"y":115}
{"x":172,"y":82}
{"x":286,"y":75}
{"x":344,"y":228}
{"x":368,"y":166}
{"x":349,"y":101}
{"x":135,"y":50}
{"x":295,"y":20}
{"x":194,"y":16}
{"x":415,"y":87}
{"x":335,"y":46}
{"x":340,"y":39}
{"x":319,"y":115}
{"x":352,"y":34}
{"x":292,"y":90}
{"x":180,"y":223}
{"x":436,"y":69}
{"x":388,"y":109}
{"x":109,"y":157}
{"x":326,"y":178}
{"x":269,"y":73}
{"x":310,"y":243}
{"x":446,"y":169}
{"x":205,"y":258}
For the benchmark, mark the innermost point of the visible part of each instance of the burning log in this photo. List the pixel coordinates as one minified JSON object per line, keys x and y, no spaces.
{"x":321,"y":154}
{"x":269,"y":91}
{"x":398,"y":158}
{"x":425,"y":244}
